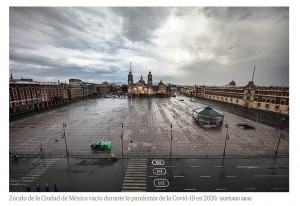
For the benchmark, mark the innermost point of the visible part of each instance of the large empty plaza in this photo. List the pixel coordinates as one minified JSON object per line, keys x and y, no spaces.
{"x":146,"y":131}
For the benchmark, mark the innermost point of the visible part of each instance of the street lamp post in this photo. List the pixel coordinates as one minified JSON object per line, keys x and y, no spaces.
{"x":281,"y":136}
{"x":41,"y":149}
{"x":122,"y":138}
{"x":171,"y":141}
{"x":149,"y":156}
{"x":226,"y":138}
{"x":64,"y":136}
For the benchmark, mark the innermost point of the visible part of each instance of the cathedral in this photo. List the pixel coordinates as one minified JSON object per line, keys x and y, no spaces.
{"x":141,"y":88}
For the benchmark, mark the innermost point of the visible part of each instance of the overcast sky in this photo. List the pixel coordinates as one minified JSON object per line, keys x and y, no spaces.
{"x":185,"y":45}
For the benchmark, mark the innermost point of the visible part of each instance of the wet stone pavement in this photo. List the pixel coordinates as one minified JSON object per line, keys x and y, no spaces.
{"x":146,"y":131}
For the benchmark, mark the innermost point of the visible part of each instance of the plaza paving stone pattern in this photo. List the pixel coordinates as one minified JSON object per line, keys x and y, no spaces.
{"x":146,"y":131}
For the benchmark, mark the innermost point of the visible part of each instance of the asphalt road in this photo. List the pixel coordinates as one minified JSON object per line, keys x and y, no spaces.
{"x":217,"y":175}
{"x":69,"y":174}
{"x":156,"y":175}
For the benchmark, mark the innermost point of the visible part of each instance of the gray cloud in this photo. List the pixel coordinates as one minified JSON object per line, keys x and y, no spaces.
{"x":185,"y":45}
{"x":254,"y":14}
{"x":140,"y":22}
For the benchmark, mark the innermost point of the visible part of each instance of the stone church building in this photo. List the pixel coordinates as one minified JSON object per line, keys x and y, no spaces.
{"x":143,"y":89}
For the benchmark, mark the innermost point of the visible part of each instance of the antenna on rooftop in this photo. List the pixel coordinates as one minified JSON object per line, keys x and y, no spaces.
{"x":253,"y":73}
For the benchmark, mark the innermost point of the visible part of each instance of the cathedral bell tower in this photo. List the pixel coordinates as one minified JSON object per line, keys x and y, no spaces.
{"x":130,"y":81}
{"x":150,"y":79}
{"x":150,"y":83}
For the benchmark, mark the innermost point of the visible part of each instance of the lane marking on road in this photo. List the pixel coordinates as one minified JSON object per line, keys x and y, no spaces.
{"x":229,"y":176}
{"x":136,"y":163}
{"x":190,"y":189}
{"x":19,"y":181}
{"x":28,"y":178}
{"x":178,"y":176}
{"x":160,"y":189}
{"x":135,"y":175}
{"x":152,"y":176}
{"x":269,"y":175}
{"x":134,"y":180}
{"x":133,"y":184}
{"x":37,"y":172}
{"x":259,"y":166}
{"x":249,"y":167}
{"x":194,"y":166}
{"x":137,"y":181}
{"x":131,"y":167}
{"x":278,"y":188}
{"x":18,"y":184}
{"x":205,"y":176}
{"x":137,"y":178}
{"x":220,"y":189}
{"x":218,"y":166}
{"x":249,"y":188}
{"x":32,"y":175}
{"x":133,"y":188}
{"x":135,"y":172}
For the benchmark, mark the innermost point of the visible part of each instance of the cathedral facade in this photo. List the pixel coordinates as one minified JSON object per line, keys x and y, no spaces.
{"x":141,"y":88}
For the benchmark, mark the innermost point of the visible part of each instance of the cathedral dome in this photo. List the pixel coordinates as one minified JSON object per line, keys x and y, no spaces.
{"x":232,"y":83}
{"x":142,"y":81}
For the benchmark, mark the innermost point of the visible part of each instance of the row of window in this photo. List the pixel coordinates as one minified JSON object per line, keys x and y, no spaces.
{"x":240,"y":92}
{"x":267,"y":100}
{"x":272,"y":93}
{"x":271,"y":100}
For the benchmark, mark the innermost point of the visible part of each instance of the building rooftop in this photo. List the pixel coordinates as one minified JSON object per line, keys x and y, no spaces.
{"x":209,"y":111}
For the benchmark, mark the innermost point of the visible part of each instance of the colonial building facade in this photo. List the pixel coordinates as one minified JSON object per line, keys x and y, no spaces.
{"x":275,"y":99}
{"x":141,"y":88}
{"x":28,"y":95}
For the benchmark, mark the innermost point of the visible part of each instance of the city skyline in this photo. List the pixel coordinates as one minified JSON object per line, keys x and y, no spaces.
{"x":185,"y":45}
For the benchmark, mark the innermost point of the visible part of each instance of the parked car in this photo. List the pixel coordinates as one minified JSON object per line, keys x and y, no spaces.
{"x":104,"y":145}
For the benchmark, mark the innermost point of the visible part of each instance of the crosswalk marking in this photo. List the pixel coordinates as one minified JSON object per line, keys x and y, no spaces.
{"x":137,"y":181}
{"x":133,"y":184}
{"x":34,"y":174}
{"x":28,"y":178}
{"x":135,"y":176}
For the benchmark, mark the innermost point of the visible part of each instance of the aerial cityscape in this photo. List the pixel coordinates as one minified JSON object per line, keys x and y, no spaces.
{"x":149,"y":99}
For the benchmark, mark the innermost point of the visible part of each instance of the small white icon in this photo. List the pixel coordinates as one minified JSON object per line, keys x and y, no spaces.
{"x":158,"y":162}
{"x":161,"y":183}
{"x":159,"y":171}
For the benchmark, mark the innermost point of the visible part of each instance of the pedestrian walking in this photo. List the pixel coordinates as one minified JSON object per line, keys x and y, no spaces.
{"x":28,"y":188}
{"x":55,"y":188}
{"x":47,"y":187}
{"x":37,"y":187}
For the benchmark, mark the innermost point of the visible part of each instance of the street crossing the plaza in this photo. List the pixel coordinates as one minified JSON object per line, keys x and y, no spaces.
{"x":135,"y":176}
{"x":34,"y":174}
